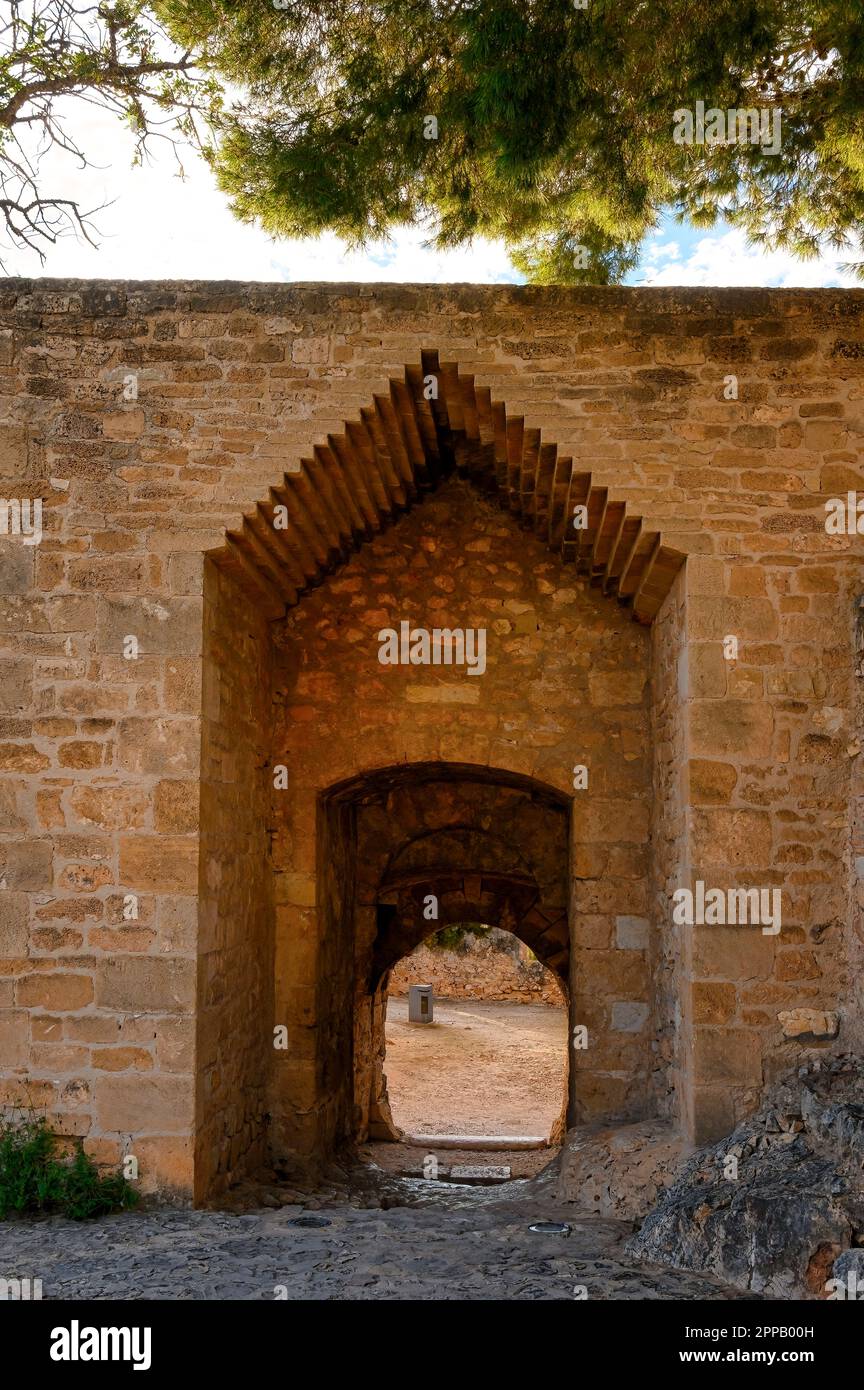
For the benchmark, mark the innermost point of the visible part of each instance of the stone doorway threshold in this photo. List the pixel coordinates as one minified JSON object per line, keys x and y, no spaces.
{"x":481,"y":1143}
{"x":523,"y":1157}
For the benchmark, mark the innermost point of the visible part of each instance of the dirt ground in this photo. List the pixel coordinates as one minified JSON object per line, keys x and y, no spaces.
{"x":480,"y":1068}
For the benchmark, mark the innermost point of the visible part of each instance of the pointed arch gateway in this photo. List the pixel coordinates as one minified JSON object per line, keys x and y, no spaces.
{"x":435,"y":423}
{"x":289,"y":937}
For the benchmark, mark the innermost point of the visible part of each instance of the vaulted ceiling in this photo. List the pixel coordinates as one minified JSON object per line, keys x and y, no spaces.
{"x":401,"y":447}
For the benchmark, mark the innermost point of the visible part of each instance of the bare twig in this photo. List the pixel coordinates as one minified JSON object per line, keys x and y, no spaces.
{"x":119,"y":60}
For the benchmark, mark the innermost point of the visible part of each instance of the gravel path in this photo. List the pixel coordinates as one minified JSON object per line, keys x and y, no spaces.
{"x":453,"y":1243}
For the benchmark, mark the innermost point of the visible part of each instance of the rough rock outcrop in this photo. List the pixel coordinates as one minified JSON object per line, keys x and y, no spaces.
{"x":773,"y":1206}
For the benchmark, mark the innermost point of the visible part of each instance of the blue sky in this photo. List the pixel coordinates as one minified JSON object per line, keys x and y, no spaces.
{"x":722,"y":255}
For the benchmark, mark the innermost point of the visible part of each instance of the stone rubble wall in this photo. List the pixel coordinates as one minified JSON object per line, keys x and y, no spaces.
{"x":483,"y":968}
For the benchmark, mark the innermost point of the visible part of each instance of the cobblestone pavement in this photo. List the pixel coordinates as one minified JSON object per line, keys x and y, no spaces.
{"x":448,"y":1242}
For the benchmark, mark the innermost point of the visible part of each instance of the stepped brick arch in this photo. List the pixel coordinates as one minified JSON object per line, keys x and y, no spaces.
{"x":436,"y":422}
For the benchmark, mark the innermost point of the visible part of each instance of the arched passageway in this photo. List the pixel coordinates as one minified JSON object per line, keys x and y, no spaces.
{"x":424,"y":846}
{"x":363,"y":789}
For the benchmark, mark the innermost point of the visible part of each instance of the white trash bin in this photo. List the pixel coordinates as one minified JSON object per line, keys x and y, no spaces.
{"x":420,"y":1007}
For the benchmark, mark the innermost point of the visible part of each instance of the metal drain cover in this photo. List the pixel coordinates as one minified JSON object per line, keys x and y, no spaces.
{"x":551,"y":1228}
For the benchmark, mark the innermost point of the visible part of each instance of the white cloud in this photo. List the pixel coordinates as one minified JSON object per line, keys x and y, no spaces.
{"x":161,"y":227}
{"x":724,"y":258}
{"x":662,"y":251}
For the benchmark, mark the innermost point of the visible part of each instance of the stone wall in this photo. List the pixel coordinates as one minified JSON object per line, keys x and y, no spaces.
{"x":773,"y":750}
{"x":491,"y":967}
{"x":670,"y":834}
{"x":148,"y":418}
{"x":236,"y":890}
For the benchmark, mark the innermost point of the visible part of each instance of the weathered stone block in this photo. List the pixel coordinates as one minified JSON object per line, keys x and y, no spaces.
{"x":123,"y":424}
{"x":22,"y":757}
{"x":175,"y":806}
{"x":166,"y":864}
{"x":629,"y":1017}
{"x":725,"y":838}
{"x":631,"y":933}
{"x":611,"y":821}
{"x":153,"y":1105}
{"x":713,"y":1003}
{"x":16,"y":566}
{"x":81,"y":754}
{"x":26,"y":865}
{"x":727,"y":1056}
{"x":16,"y":684}
{"x":708,"y":671}
{"x":14,"y":923}
{"x":55,"y":1059}
{"x":750,"y":619}
{"x":732,"y":953}
{"x":711,"y":783}
{"x":147,"y":984}
{"x":122,"y":1059}
{"x":59,"y":993}
{"x":166,"y":1165}
{"x":110,"y":808}
{"x":162,"y":626}
{"x":14,"y":1041}
{"x":725,"y":728}
{"x":611,"y":688}
{"x":809,"y":1023}
{"x":167,"y":747}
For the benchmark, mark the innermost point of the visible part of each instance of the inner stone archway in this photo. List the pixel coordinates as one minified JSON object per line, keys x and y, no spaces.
{"x":462,"y":842}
